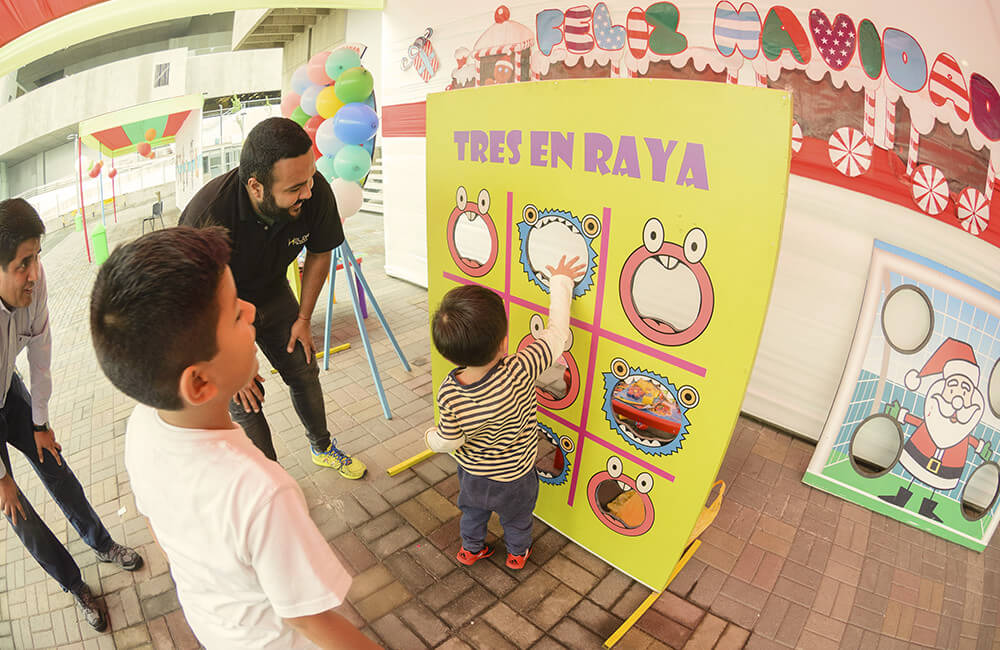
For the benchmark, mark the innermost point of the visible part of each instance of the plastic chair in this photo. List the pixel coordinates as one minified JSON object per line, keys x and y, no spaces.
{"x":157,"y":214}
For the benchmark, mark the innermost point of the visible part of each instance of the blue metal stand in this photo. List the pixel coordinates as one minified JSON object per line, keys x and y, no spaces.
{"x":343,"y":253}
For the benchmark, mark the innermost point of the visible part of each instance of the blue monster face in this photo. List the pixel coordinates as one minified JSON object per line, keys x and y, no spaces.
{"x":648,"y":411}
{"x":547,"y":235}
{"x":552,"y":464}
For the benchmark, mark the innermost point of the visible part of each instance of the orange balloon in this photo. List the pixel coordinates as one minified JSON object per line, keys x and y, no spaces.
{"x":150,"y":134}
{"x":143,"y":149}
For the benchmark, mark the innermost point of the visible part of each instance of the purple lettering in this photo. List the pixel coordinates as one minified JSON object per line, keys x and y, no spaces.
{"x":539,"y":140}
{"x":562,"y":149}
{"x":597,"y":148}
{"x":627,"y":161}
{"x":480,"y":142}
{"x":461,"y":139}
{"x":693,"y":170}
{"x":496,"y":146}
{"x":660,"y":155}
{"x":513,"y":142}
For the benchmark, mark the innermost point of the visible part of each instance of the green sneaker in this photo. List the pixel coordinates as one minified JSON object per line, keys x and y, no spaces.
{"x":348,"y":467}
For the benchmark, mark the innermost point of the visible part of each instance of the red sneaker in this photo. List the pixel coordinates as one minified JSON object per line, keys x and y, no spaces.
{"x":469,"y":558}
{"x":517,"y":561}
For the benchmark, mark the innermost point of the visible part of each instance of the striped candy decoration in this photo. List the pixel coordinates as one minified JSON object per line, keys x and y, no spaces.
{"x":479,"y":75}
{"x":737,"y":29}
{"x":761,"y":80}
{"x":870,"y":115}
{"x":517,"y":65}
{"x":576,"y":28}
{"x":850,"y":151}
{"x":796,"y":136}
{"x":930,"y":189}
{"x":426,"y":63}
{"x":914,"y":152}
{"x":732,"y":77}
{"x":973,"y":210}
{"x":947,"y":84}
{"x":637,"y":30}
{"x":890,"y":124}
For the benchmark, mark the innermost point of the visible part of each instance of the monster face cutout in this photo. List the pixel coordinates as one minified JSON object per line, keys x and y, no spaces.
{"x":472,"y":236}
{"x":547,"y":235}
{"x":646,"y":409}
{"x":552,"y":464}
{"x":559,"y":385}
{"x":621,"y":502}
{"x":665,"y":289}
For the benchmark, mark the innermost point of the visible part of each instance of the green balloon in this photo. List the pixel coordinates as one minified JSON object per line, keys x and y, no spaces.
{"x":300,"y":116}
{"x":325,"y":166}
{"x":354,"y":85}
{"x":352,"y":163}
{"x":340,"y":60}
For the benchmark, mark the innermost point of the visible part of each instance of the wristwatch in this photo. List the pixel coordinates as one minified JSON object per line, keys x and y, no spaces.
{"x":40,"y":427}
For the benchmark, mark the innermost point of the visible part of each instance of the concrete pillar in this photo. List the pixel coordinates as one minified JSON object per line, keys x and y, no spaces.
{"x":4,"y":192}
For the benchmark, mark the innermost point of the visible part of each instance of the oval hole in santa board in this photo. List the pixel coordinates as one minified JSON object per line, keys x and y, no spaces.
{"x":907,"y":319}
{"x":993,"y":389}
{"x":876,"y":445}
{"x":980,"y":492}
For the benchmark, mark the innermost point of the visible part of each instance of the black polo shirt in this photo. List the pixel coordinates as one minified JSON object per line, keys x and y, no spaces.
{"x":262,"y":251}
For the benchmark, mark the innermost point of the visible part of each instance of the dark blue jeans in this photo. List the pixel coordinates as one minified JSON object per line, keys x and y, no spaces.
{"x":275,"y":316}
{"x":514,"y":503}
{"x":62,"y":484}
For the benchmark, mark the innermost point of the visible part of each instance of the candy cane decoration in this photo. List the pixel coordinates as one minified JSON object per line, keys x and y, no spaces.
{"x":890,"y":124}
{"x":479,"y":81}
{"x":732,"y":76}
{"x":911,"y":157}
{"x":517,"y":65}
{"x":761,"y":80}
{"x":991,"y":178}
{"x":870,"y":115}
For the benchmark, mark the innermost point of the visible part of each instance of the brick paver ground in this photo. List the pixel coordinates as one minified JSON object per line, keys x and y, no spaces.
{"x":784,"y":565}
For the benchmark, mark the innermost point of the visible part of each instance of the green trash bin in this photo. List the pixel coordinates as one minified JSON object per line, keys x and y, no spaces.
{"x":79,"y":222}
{"x":99,"y":244}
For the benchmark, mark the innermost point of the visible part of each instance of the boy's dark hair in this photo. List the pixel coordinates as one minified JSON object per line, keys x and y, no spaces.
{"x":18,"y":223}
{"x":270,"y":141}
{"x":469,"y":325}
{"x":154,"y":310}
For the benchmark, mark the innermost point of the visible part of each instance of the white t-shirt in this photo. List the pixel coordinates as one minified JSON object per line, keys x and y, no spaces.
{"x":236,"y":530}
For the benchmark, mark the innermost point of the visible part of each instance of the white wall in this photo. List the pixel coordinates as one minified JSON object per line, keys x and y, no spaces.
{"x":226,"y":73}
{"x":365,"y":26}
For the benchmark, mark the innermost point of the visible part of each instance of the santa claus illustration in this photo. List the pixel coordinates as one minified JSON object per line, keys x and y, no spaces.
{"x":935,"y":452}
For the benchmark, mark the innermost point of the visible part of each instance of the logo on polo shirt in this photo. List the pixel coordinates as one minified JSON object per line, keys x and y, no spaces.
{"x":298,"y":241}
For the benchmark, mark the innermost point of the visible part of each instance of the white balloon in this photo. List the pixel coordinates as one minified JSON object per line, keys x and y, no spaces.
{"x":349,"y":196}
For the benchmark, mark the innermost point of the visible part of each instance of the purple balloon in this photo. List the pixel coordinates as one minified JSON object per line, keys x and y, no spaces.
{"x":355,"y":123}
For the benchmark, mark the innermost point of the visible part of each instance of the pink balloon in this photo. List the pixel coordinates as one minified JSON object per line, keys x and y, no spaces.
{"x":317,"y":69}
{"x":310,"y":127}
{"x":289,"y":103}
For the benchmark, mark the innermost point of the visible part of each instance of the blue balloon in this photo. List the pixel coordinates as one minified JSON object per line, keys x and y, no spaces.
{"x":300,"y":80}
{"x":355,"y":123}
{"x":326,"y":140}
{"x":308,"y":101}
{"x":325,"y":166}
{"x":352,"y":163}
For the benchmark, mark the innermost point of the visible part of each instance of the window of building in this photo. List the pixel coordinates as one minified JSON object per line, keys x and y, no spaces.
{"x":162,"y":75}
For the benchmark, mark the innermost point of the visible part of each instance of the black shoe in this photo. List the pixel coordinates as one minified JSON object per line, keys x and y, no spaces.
{"x":123,"y":556}
{"x":927,"y":509}
{"x":91,"y":607}
{"x":900,"y":499}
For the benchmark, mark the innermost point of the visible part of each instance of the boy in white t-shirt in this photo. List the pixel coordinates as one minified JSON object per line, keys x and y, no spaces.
{"x":251,"y":568}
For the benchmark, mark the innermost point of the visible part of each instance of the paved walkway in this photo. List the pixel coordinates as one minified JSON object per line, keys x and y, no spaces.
{"x":783,"y":566}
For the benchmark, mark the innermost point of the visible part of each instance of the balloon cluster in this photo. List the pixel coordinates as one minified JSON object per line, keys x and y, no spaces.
{"x":331,"y":98}
{"x":95,"y":169}
{"x":145,"y":148}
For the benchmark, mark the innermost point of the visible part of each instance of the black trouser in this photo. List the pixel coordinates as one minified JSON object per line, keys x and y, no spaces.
{"x":275,"y":316}
{"x":62,"y":484}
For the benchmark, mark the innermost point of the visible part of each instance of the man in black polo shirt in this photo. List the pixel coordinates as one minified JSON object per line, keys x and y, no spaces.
{"x":273,"y":204}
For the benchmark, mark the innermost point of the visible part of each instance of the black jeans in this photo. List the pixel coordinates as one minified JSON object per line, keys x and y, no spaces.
{"x":275,"y":316}
{"x":62,"y":484}
{"x":514,"y":503}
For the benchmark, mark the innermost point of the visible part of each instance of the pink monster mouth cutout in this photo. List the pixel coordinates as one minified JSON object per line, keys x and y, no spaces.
{"x":469,"y":227}
{"x":571,"y":377}
{"x":616,"y":480}
{"x":665,"y":290}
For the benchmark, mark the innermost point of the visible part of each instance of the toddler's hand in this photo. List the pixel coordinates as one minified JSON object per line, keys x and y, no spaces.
{"x":570,"y":269}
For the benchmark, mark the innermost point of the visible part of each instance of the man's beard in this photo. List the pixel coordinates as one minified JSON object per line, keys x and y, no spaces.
{"x":938,"y":415}
{"x":269,"y":208}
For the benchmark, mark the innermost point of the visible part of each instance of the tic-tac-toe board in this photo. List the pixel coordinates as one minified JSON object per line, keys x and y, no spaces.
{"x":673,"y":193}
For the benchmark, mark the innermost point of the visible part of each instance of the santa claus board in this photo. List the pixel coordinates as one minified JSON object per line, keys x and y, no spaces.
{"x":914,"y":428}
{"x":677,"y":214}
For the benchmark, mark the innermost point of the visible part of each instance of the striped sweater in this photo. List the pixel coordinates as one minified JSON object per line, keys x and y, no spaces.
{"x":491,"y":425}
